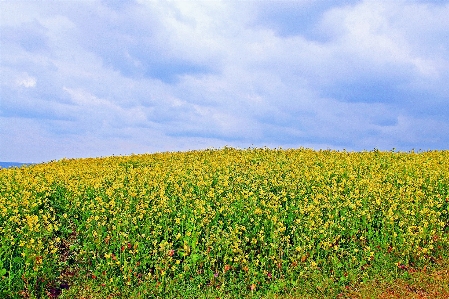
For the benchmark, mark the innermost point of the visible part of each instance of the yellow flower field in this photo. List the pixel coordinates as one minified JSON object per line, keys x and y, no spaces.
{"x":220,"y":223}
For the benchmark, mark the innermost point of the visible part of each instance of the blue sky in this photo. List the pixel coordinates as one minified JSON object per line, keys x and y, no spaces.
{"x":99,"y":78}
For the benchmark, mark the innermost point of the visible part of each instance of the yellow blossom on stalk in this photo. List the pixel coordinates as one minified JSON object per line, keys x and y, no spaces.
{"x":255,"y":213}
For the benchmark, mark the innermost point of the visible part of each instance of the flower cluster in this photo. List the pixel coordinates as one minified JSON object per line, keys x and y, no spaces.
{"x":249,"y":217}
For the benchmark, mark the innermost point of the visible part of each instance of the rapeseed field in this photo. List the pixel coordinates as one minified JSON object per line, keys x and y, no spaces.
{"x":224,"y":223}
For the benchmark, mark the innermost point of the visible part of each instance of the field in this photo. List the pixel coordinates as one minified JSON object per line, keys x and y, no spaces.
{"x":228,"y":223}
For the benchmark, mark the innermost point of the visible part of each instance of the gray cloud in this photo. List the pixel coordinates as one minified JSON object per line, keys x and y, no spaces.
{"x":100,"y":78}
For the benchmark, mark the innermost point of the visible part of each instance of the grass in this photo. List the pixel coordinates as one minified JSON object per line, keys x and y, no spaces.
{"x":228,"y":223}
{"x":415,"y":283}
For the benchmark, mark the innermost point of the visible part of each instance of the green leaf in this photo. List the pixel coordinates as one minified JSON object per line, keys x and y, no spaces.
{"x":195,"y":257}
{"x":17,"y":260}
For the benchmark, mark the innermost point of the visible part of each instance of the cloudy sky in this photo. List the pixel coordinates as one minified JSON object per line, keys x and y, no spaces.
{"x":97,"y":78}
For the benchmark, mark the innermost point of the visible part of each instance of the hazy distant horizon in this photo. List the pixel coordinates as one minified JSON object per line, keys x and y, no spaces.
{"x":13,"y":164}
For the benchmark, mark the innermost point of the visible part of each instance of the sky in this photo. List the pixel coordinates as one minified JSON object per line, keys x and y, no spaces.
{"x":101,"y":78}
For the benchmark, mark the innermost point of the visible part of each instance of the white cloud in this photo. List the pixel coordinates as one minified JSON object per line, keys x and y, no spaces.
{"x":26,"y":81}
{"x":173,"y":75}
{"x":383,"y":33}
